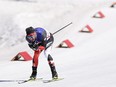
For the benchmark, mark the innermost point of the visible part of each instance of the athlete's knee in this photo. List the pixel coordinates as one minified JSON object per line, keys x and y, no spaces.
{"x":50,"y":57}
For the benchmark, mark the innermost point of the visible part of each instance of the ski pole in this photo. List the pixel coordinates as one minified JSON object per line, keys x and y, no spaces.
{"x":62,"y":28}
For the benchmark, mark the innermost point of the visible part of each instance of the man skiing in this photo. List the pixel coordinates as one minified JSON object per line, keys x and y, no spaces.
{"x":38,"y":40}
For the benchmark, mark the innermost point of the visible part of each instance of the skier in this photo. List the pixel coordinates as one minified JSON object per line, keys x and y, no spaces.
{"x":38,"y":40}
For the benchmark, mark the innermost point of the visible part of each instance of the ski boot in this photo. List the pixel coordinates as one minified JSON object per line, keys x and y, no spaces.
{"x":34,"y":73}
{"x":54,"y":75}
{"x":52,"y":67}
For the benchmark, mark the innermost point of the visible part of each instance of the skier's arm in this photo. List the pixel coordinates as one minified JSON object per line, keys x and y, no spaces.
{"x":32,"y":46}
{"x":36,"y":46}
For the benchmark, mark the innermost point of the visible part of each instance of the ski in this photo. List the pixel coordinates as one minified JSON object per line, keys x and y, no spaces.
{"x":52,"y":80}
{"x":10,"y":80}
{"x":28,"y":80}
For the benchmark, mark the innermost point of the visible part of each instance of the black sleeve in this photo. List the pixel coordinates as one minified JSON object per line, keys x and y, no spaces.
{"x":43,"y":43}
{"x":33,"y":46}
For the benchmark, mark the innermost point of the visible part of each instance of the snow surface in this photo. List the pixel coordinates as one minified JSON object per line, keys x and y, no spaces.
{"x":90,"y":63}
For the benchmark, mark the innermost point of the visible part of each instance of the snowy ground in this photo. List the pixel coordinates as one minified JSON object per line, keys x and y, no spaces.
{"x":90,"y":63}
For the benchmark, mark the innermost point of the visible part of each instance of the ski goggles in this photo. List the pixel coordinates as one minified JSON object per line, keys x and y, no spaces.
{"x":31,"y":37}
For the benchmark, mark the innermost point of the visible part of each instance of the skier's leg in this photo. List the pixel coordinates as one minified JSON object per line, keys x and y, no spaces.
{"x":51,"y":62}
{"x":35,"y":64}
